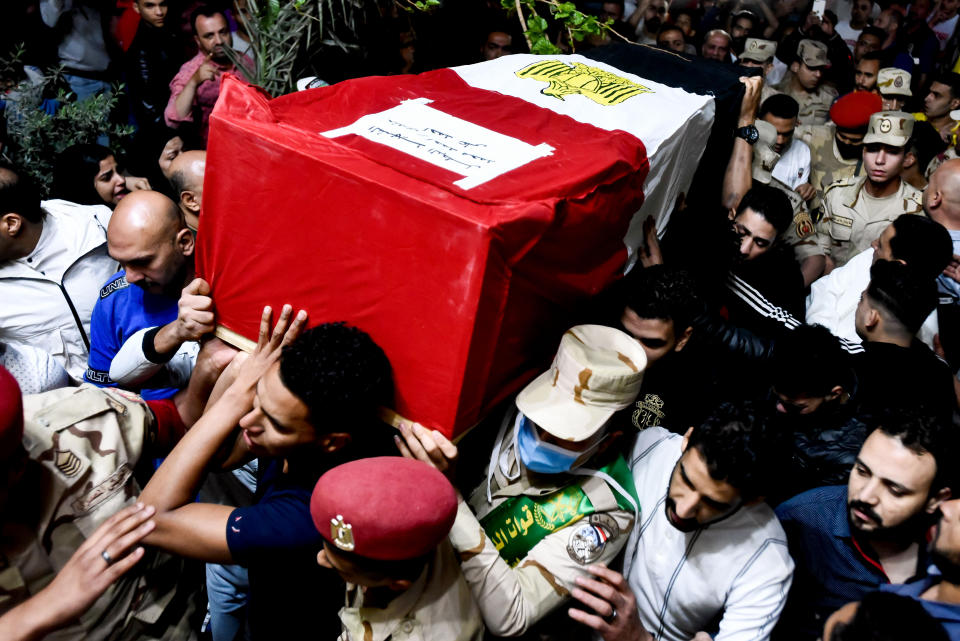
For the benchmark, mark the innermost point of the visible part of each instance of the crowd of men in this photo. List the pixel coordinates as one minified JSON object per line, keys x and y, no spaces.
{"x":751,"y":435}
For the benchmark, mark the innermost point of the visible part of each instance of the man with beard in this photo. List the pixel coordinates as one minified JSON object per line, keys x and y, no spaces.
{"x":148,"y":236}
{"x":939,"y":594}
{"x":712,"y":557}
{"x":868,"y":70}
{"x":847,"y":541}
{"x":856,"y":211}
{"x":195,"y":88}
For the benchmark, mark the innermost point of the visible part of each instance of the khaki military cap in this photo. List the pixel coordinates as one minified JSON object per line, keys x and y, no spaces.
{"x":813,"y":53}
{"x":894,"y":82}
{"x":764,"y":157}
{"x":890,"y":128}
{"x":758,"y":50}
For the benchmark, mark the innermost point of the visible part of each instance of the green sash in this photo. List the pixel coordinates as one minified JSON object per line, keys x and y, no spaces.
{"x":519,"y":523}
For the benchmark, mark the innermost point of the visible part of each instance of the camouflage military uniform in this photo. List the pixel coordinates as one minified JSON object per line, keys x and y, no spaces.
{"x":853,"y":219}
{"x":939,"y":159}
{"x":827,"y":166}
{"x":83,"y":444}
{"x":546,"y":575}
{"x":814,"y":105}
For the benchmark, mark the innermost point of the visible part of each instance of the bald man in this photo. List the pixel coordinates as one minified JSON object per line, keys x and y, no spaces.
{"x":186,"y":179}
{"x":941,"y":201}
{"x":150,"y":239}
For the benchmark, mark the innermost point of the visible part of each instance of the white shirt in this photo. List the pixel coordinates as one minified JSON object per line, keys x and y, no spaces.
{"x":34,"y":369}
{"x":833,"y":299}
{"x":848,"y":33}
{"x":793,"y":168}
{"x":944,"y":31}
{"x":737,"y":570}
{"x":48,"y":296}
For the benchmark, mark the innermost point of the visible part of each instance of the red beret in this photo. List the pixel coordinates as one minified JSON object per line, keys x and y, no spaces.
{"x":11,"y":414}
{"x":853,"y":110}
{"x":387,"y":508}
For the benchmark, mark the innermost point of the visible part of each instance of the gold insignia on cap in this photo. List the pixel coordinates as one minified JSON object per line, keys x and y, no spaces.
{"x":898,"y":81}
{"x":754,"y":45}
{"x":884,"y":126}
{"x":341,"y":533}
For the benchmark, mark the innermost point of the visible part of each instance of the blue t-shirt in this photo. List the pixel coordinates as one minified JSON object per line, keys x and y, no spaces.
{"x":121,"y":311}
{"x":291,"y":597}
{"x":947,"y":614}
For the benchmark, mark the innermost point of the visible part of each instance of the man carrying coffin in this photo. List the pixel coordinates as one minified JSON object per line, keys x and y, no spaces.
{"x":556,"y":498}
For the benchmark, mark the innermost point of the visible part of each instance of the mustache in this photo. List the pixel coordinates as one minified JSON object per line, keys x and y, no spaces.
{"x":860,"y":506}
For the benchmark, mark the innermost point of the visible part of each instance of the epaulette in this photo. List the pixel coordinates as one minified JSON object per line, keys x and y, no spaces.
{"x":843,"y":182}
{"x":117,"y":283}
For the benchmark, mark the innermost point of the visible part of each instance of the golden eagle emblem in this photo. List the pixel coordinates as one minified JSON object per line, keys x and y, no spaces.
{"x":602,"y":87}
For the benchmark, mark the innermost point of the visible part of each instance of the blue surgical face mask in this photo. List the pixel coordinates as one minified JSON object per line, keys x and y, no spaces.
{"x":542,"y":457}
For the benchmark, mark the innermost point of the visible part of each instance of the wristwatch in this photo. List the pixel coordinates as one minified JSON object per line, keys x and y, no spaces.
{"x":748,"y":133}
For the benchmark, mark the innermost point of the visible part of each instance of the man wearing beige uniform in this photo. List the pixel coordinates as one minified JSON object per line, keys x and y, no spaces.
{"x":805,"y":83}
{"x":856,"y":211}
{"x":556,"y":499}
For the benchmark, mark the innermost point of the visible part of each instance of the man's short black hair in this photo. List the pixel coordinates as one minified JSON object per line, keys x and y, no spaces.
{"x":340,"y":374}
{"x":207,"y":11}
{"x":873,"y":55}
{"x":668,"y":27}
{"x":905,"y":295}
{"x":809,"y":361}
{"x":769,"y":202}
{"x":923,"y":244}
{"x":952,"y":80}
{"x":780,"y":106}
{"x":884,"y":616}
{"x":876,"y":32}
{"x":663,"y":292}
{"x":925,"y":143}
{"x":920,"y":430}
{"x":739,"y":447}
{"x":19,"y":194}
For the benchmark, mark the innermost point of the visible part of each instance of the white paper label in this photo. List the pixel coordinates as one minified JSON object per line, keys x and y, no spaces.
{"x":464,"y":148}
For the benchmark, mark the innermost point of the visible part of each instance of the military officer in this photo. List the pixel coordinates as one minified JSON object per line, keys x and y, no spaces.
{"x":835,"y":149}
{"x":805,"y":83}
{"x":73,"y":469}
{"x":384,"y":523}
{"x":759,"y":53}
{"x":894,"y":87}
{"x":801,"y":234}
{"x":556,"y":498}
{"x":857,"y":210}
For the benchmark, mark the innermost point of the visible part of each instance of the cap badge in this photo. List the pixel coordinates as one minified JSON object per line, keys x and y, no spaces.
{"x":754,"y":45}
{"x":898,"y":81}
{"x":342,"y":534}
{"x":884,"y":126}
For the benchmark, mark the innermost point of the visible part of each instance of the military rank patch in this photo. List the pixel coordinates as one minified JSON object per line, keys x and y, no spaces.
{"x":67,"y":462}
{"x":588,"y":540}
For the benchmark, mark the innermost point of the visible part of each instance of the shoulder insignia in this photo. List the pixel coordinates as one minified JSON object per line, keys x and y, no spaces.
{"x":113,"y":286}
{"x":67,"y":462}
{"x":588,"y":540}
{"x":843,"y":182}
{"x":804,"y":224}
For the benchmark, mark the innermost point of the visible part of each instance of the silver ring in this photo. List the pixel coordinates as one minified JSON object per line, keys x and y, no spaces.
{"x":613,"y":615}
{"x":106,"y":557}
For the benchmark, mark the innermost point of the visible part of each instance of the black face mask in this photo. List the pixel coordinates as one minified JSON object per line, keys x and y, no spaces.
{"x":848,"y":151}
